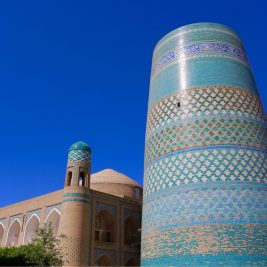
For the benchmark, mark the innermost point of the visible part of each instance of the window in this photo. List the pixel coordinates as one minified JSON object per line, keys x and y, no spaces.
{"x":131,"y":234}
{"x":82,"y":179}
{"x":104,"y":227}
{"x":69,"y":178}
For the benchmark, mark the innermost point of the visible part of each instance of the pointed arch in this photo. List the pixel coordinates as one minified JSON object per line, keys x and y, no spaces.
{"x":13,"y":233}
{"x":2,"y":230}
{"x":52,"y":219}
{"x":31,"y":228}
{"x":105,"y":227}
{"x":131,"y":234}
{"x":104,"y":260}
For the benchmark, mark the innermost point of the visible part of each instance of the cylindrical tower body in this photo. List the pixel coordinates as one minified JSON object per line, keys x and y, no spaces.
{"x":205,"y":200}
{"x":75,"y":215}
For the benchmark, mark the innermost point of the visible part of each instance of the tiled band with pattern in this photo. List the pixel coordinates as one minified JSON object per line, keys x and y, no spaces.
{"x":206,"y":245}
{"x":206,"y":100}
{"x":208,"y":49}
{"x":206,"y":131}
{"x":205,"y":181}
{"x":210,"y":203}
{"x":206,"y":165}
{"x":79,"y":155}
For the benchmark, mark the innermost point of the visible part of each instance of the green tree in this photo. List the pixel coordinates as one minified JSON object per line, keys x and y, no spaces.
{"x":43,"y":251}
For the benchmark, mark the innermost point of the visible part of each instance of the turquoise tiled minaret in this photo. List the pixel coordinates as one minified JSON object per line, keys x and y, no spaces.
{"x":205,"y":198}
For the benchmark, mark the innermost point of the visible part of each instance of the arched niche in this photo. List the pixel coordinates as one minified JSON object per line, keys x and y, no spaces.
{"x":82,"y":179}
{"x":132,"y":262}
{"x":69,"y":178}
{"x":104,"y":260}
{"x":131,"y":234}
{"x":105,"y":227}
{"x":53,"y":219}
{"x":31,"y":229}
{"x":13,"y":233}
{"x":2,"y":230}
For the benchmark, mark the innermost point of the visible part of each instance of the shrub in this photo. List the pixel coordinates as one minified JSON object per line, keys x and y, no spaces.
{"x":43,"y":251}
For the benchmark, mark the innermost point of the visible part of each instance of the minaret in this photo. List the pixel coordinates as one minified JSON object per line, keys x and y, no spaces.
{"x":205,"y":197}
{"x":75,"y":214}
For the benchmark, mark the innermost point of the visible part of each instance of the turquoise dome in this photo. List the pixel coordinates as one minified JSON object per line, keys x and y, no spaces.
{"x":80,"y":146}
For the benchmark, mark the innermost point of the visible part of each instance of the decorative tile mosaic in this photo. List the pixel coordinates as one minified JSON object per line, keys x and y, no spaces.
{"x":233,"y":239}
{"x":207,"y":260}
{"x":209,"y":49}
{"x":205,"y":182}
{"x":206,"y":165}
{"x":79,"y":155}
{"x":103,"y":206}
{"x":212,"y":203}
{"x":206,"y":131}
{"x":204,"y":101}
{"x":109,"y":252}
{"x":200,"y":72}
{"x":211,"y":29}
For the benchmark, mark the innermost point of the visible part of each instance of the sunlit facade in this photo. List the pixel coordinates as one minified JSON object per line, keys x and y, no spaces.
{"x":100,"y":215}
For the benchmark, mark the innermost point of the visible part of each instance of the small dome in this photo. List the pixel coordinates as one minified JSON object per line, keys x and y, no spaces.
{"x":114,"y":183}
{"x":109,"y":176}
{"x":80,"y":146}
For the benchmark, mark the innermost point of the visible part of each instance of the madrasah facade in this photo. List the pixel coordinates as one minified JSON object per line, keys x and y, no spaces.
{"x":100,"y":215}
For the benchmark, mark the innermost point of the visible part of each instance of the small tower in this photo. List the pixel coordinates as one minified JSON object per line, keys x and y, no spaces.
{"x":75,"y":222}
{"x":79,"y":164}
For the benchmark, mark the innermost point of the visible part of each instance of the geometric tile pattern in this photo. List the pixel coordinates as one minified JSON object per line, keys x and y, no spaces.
{"x":247,"y":240}
{"x":79,"y":155}
{"x":206,"y":165}
{"x":205,"y":180}
{"x":209,"y":49}
{"x":206,"y":131}
{"x":207,"y":101}
{"x":216,"y":204}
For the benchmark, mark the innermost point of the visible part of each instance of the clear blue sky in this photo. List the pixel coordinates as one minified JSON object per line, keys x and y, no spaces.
{"x":79,"y":70}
